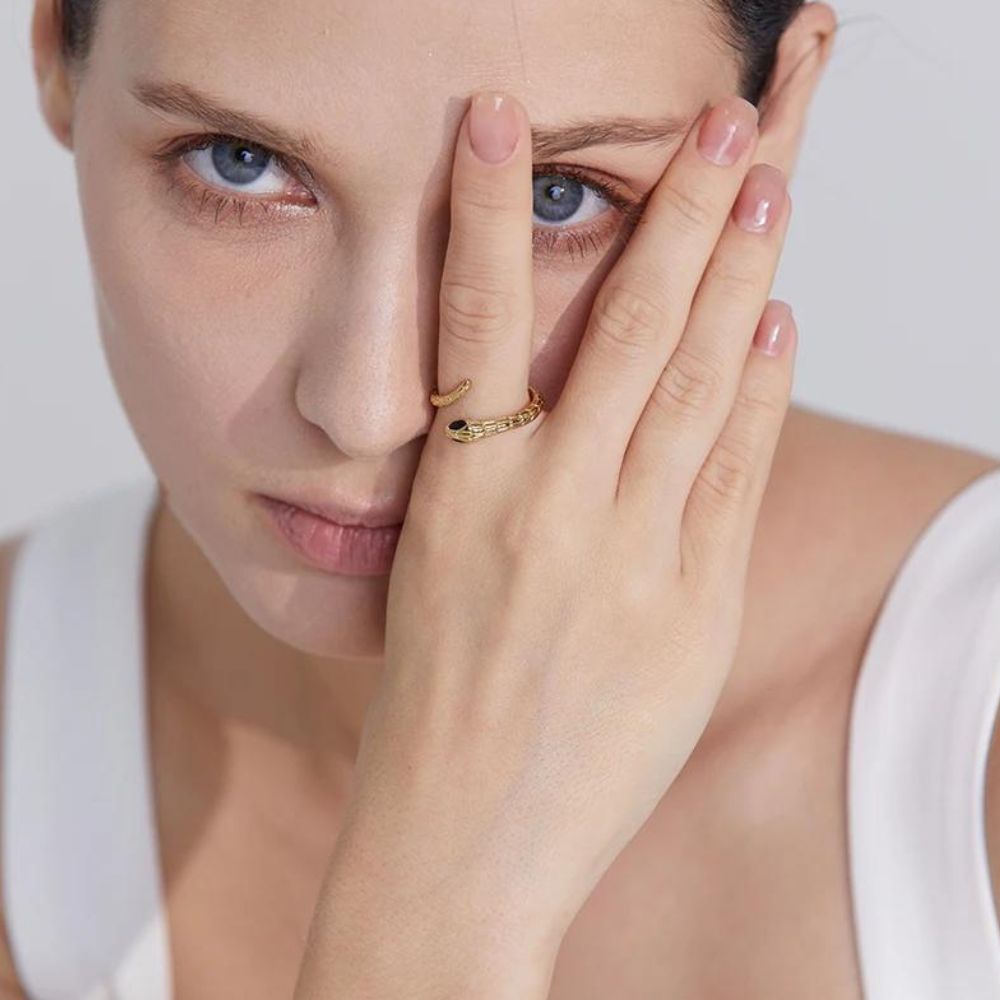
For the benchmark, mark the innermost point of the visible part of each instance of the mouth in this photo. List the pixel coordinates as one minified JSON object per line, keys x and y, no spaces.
{"x":364,"y":514}
{"x":358,"y":542}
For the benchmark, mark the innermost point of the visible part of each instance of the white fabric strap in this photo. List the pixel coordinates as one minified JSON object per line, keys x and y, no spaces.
{"x":920,"y":730}
{"x":81,"y":877}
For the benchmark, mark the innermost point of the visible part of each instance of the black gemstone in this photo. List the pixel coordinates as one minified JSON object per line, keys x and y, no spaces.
{"x":457,"y":425}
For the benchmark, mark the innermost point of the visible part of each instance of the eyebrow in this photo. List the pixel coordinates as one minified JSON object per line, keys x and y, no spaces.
{"x":547,"y":141}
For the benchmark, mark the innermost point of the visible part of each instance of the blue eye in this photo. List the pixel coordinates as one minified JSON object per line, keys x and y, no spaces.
{"x":235,"y":165}
{"x":245,"y":162}
{"x":558,"y":197}
{"x":240,"y":177}
{"x":565,"y":200}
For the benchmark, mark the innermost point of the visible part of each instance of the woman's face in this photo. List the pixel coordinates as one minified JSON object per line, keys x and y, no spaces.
{"x":271,"y":324}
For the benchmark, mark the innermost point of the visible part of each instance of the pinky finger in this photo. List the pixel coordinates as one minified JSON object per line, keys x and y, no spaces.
{"x":723,"y":505}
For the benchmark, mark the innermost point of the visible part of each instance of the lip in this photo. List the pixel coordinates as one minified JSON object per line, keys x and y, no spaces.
{"x":354,"y":549}
{"x":365,"y":515}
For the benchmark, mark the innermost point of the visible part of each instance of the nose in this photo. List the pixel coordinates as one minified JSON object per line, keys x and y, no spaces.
{"x":367,"y":360}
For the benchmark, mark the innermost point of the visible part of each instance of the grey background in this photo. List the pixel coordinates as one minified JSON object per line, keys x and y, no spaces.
{"x":890,"y":263}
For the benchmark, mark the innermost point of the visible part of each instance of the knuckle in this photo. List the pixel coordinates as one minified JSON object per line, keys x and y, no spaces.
{"x":735,"y":280}
{"x":689,"y":383}
{"x":637,"y":591}
{"x":761,"y":402}
{"x":531,"y":528}
{"x":630,"y":315}
{"x":483,"y":196}
{"x":475,"y":312}
{"x":693,"y":212}
{"x":729,"y":476}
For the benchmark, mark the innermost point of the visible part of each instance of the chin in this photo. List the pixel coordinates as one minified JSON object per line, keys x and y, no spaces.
{"x":311,"y":611}
{"x":315,"y":612}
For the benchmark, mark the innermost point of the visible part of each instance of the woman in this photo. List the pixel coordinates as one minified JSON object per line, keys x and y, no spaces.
{"x":590,"y":742}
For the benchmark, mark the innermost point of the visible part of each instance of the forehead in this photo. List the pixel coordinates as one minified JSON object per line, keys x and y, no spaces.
{"x":415,"y":61}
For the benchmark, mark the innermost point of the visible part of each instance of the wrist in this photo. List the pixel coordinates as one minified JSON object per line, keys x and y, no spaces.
{"x":387,"y":926}
{"x":484,"y":905}
{"x":382,"y":930}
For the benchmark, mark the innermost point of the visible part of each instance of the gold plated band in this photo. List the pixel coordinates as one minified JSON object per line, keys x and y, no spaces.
{"x":473,"y":430}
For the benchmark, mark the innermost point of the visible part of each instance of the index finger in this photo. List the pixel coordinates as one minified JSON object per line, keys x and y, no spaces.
{"x":486,"y":297}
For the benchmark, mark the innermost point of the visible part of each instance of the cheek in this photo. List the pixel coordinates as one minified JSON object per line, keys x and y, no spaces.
{"x":193,"y":325}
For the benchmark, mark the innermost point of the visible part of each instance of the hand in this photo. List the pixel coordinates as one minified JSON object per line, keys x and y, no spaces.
{"x":567,"y":596}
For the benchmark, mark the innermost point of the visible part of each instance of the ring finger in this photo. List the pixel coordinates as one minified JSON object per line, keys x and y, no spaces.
{"x":689,"y":405}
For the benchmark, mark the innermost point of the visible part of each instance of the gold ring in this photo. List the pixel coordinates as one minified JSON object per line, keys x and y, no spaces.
{"x":473,"y":430}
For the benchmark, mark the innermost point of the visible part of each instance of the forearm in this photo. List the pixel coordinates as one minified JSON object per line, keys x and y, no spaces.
{"x":382,"y":933}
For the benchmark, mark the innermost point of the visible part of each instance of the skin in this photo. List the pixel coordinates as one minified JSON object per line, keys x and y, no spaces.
{"x":245,"y":359}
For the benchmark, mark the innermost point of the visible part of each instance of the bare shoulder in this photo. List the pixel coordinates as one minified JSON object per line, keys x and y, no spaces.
{"x":869,"y":484}
{"x":9,"y":987}
{"x":873,"y":493}
{"x":850,"y":502}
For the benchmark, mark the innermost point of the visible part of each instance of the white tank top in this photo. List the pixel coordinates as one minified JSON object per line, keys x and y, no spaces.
{"x":82,"y":889}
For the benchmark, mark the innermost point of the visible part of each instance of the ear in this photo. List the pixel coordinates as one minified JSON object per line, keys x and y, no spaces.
{"x":52,"y":76}
{"x":803,"y":52}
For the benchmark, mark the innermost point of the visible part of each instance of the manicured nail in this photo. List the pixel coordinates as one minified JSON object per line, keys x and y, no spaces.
{"x":760,"y":199}
{"x":775,"y":328}
{"x":727,"y":130}
{"x":493,"y":126}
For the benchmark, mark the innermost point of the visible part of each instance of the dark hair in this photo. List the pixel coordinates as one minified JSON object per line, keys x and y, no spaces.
{"x":77,"y":20}
{"x":751,"y":28}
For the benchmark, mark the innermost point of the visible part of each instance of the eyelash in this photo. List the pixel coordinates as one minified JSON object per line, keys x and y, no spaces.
{"x":549,"y":240}
{"x":590,"y":239}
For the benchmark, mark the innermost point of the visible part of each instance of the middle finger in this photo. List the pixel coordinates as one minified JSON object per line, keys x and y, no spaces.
{"x":641,"y":309}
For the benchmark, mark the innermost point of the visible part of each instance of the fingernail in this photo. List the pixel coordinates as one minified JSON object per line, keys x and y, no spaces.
{"x":727,"y":130}
{"x":760,"y":199}
{"x":775,"y":328}
{"x":493,"y":126}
